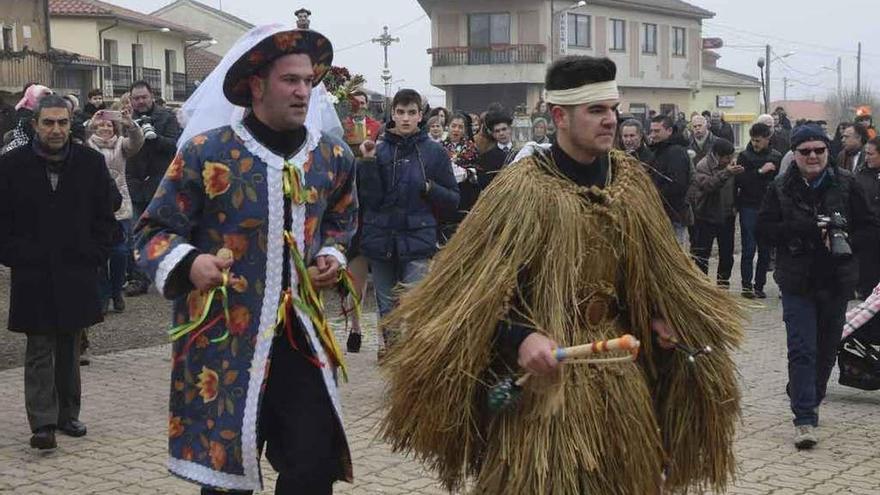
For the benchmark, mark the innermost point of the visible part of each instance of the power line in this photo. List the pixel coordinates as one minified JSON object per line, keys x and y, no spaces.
{"x":395,"y":29}
{"x":763,"y":36}
{"x":803,"y":73}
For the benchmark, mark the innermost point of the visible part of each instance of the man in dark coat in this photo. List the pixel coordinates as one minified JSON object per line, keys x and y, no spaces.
{"x":852,"y":157}
{"x":797,"y":217}
{"x":145,"y":170}
{"x":672,"y":175}
{"x":500,"y":155}
{"x":781,"y":138}
{"x":714,"y":209}
{"x":867,"y":246}
{"x":720,"y":128}
{"x":56,"y":227}
{"x":632,"y":139}
{"x":761,"y":164}
{"x":701,"y":140}
{"x":403,"y":182}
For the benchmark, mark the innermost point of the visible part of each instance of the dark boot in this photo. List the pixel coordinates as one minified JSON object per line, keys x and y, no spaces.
{"x":118,"y":303}
{"x":354,"y":342}
{"x":44,"y":438}
{"x":73,"y":428}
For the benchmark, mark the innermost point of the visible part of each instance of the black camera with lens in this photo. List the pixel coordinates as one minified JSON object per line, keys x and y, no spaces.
{"x":835,"y":225}
{"x":146,"y":125}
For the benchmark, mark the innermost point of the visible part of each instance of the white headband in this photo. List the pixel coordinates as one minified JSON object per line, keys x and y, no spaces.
{"x":588,"y":93}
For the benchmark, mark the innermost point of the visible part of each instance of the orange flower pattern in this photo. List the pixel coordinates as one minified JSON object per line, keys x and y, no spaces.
{"x":208,"y":382}
{"x":216,"y":177}
{"x":217,"y":452}
{"x":175,"y":169}
{"x":214,"y":196}
{"x":158,"y":246}
{"x":237,"y":243}
{"x":175,"y":427}
{"x":239,"y":320}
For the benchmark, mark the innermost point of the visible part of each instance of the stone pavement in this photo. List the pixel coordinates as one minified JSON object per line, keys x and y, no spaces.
{"x":125,"y":399}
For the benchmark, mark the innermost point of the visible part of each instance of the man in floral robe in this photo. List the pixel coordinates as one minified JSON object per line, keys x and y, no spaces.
{"x":277,"y":201}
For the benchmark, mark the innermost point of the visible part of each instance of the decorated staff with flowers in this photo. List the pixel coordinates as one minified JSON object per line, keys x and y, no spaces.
{"x":350,"y":102}
{"x":249,"y":224}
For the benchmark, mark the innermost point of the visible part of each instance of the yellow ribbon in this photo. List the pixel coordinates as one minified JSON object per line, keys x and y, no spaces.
{"x":347,"y":281}
{"x":292,"y":183}
{"x":310,"y":303}
{"x":181,"y":330}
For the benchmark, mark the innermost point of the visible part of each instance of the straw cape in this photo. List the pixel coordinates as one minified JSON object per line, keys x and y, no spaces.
{"x":580,"y":265}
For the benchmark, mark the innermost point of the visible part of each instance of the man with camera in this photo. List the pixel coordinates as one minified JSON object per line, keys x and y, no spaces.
{"x":809,"y":215}
{"x":145,"y":170}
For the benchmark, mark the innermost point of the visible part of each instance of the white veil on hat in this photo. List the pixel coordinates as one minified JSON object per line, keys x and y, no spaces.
{"x":208,"y":107}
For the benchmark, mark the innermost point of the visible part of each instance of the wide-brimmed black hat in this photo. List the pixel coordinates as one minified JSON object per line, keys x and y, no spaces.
{"x":312,"y":43}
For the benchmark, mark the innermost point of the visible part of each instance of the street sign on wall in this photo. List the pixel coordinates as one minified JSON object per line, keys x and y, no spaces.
{"x":725,"y":101}
{"x":712,"y":43}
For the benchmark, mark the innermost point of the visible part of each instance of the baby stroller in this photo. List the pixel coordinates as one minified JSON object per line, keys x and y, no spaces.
{"x":859,"y":354}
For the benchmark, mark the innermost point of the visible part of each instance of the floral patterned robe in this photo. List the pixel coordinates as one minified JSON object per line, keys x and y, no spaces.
{"x":225,"y":189}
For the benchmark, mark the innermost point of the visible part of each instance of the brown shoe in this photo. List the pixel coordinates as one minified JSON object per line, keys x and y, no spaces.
{"x":44,"y":439}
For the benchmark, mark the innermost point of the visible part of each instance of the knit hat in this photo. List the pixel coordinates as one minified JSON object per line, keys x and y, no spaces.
{"x":808,"y":132}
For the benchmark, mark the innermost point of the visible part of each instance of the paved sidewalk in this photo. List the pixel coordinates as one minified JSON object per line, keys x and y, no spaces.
{"x":125,"y":399}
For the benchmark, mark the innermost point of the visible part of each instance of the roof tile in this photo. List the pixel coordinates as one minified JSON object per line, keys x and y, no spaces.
{"x":200,"y":63}
{"x":97,"y":8}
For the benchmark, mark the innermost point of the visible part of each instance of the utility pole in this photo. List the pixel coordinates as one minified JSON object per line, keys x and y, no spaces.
{"x":385,"y":41}
{"x":839,"y":78}
{"x":769,"y":56}
{"x":859,"y":75}
{"x":552,"y":30}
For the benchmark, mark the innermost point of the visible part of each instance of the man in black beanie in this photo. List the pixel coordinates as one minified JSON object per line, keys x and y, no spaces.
{"x":810,"y":214}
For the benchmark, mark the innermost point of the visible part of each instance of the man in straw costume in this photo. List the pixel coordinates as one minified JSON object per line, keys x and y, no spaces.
{"x":568,"y":246}
{"x":249,"y":223}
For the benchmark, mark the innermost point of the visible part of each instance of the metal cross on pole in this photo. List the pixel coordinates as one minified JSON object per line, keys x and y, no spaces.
{"x":385,"y":41}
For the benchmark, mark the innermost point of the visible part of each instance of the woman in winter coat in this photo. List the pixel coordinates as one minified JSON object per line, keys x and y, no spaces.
{"x":463,"y":155}
{"x":118,"y":138}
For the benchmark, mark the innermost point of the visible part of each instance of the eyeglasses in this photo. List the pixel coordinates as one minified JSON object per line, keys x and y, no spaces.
{"x":808,"y":151}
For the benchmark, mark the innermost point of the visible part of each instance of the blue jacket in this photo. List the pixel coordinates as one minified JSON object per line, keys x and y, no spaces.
{"x":399,"y":215}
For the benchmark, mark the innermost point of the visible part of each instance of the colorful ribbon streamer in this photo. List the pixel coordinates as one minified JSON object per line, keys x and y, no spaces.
{"x":309,"y":302}
{"x":181,"y":330}
{"x":292,"y":183}
{"x":347,"y":281}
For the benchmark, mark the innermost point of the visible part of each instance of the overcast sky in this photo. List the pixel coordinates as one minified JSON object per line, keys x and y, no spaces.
{"x":817,"y":31}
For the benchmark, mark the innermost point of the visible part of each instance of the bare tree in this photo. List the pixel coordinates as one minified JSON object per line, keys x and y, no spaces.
{"x":842,"y":107}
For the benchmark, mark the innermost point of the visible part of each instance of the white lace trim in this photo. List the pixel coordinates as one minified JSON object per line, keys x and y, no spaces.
{"x":271,"y":296}
{"x":298,"y":221}
{"x":327,"y":370}
{"x":168,"y":264}
{"x":271,"y":159}
{"x":208,"y":477}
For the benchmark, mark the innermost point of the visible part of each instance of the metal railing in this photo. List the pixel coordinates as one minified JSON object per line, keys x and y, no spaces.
{"x":487,"y":55}
{"x":178,"y":81}
{"x":152,"y":76}
{"x":120,"y":76}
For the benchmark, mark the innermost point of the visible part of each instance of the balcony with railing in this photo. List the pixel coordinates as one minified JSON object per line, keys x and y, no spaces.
{"x":487,"y":55}
{"x":120,"y":77}
{"x":20,"y":67}
{"x":153,"y":77}
{"x":178,"y":82}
